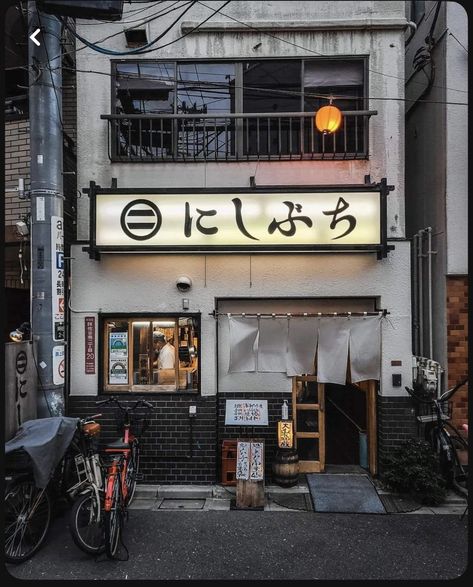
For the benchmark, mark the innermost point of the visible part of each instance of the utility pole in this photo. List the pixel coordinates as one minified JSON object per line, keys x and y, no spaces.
{"x":47,"y":220}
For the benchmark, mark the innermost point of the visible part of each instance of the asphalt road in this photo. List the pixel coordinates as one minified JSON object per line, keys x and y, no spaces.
{"x":246,"y":545}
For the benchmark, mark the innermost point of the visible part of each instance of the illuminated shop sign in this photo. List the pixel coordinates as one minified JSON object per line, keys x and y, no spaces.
{"x":215,"y":221}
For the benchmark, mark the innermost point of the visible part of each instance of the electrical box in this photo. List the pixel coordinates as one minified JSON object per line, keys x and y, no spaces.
{"x":427,"y":374}
{"x":397,"y":380}
{"x":192,"y":411}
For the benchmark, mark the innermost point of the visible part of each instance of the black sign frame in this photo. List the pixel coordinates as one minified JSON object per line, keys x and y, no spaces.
{"x":94,"y":191}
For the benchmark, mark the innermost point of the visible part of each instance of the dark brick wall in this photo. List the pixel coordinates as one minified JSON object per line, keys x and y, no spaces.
{"x":267,"y":433}
{"x":167,"y":455}
{"x":396,"y":423}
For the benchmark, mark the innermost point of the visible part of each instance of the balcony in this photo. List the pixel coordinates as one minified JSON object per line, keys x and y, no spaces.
{"x":234,"y":137}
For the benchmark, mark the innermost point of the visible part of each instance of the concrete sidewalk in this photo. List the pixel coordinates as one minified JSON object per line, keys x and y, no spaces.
{"x":219,"y":498}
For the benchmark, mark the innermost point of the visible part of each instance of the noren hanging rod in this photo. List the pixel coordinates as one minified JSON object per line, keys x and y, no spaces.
{"x":299,"y":314}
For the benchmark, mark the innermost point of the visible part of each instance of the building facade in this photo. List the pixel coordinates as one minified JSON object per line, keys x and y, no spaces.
{"x":437,"y":189}
{"x":272,"y":258}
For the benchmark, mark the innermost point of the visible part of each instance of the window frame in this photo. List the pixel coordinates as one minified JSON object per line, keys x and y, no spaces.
{"x":239,"y":90}
{"x":147,"y":389}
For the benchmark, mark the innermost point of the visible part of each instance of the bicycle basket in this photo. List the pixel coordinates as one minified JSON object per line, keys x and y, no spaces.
{"x":139,"y":423}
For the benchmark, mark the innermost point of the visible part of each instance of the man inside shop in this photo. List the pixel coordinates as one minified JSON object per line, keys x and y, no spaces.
{"x":164,"y":352}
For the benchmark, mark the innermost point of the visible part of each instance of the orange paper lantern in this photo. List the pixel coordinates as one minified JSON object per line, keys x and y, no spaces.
{"x":328,"y":119}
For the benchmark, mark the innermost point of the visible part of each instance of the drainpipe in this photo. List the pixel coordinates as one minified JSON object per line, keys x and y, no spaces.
{"x":421,"y":293}
{"x":415,"y":285}
{"x":429,"y":278}
{"x":46,"y":191}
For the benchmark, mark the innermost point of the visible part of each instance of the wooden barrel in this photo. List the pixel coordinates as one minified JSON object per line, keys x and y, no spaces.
{"x":286,"y":467}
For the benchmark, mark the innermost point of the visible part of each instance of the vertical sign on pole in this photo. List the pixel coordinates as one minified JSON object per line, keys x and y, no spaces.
{"x":57,"y":273}
{"x":90,"y":345}
{"x":58,"y":365}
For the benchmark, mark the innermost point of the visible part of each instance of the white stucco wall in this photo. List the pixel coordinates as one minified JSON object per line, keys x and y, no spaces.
{"x":146,"y":283}
{"x":456,"y":124}
{"x":384,"y":46}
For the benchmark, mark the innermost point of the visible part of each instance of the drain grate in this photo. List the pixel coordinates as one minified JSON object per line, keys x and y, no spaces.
{"x":182,"y":504}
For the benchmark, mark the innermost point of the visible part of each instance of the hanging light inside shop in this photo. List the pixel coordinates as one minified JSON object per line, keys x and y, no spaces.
{"x":328,"y":118}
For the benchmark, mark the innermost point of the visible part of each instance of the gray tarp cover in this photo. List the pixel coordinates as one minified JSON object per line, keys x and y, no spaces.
{"x":46,"y":441}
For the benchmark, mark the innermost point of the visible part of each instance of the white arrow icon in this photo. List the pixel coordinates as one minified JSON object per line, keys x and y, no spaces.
{"x":34,"y":39}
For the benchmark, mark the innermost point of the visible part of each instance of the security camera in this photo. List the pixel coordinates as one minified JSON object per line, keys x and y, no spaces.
{"x":184,"y":283}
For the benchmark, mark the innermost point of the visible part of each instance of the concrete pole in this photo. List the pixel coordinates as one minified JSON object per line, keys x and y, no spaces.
{"x":47,"y":221}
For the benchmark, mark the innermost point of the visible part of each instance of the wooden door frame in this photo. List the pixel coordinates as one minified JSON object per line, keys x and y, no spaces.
{"x":369,"y":387}
{"x":315,"y":466}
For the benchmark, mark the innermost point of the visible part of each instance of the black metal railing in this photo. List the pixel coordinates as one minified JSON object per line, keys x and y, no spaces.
{"x":234,"y":137}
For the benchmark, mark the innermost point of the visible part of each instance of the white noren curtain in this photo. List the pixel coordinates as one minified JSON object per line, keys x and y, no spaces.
{"x":243,"y":341}
{"x":332,"y":353}
{"x":272,"y":345}
{"x":302,"y":343}
{"x":365,"y":348}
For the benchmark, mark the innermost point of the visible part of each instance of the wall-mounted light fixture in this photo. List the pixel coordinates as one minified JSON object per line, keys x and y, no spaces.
{"x":23,"y":332}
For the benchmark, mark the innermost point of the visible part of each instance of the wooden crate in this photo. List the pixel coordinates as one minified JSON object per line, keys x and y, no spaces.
{"x":229,"y":453}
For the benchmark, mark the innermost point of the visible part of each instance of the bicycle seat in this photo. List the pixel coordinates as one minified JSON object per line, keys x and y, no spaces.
{"x":117,"y":444}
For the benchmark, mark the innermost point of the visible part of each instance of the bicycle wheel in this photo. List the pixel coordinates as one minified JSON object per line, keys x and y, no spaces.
{"x":27,"y":518}
{"x":86,"y":524}
{"x":132,"y":470}
{"x":444,"y":450}
{"x":113,"y":519}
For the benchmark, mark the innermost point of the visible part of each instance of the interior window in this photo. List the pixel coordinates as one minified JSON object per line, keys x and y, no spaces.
{"x":342,"y":80}
{"x":158,"y":354}
{"x":206,"y":88}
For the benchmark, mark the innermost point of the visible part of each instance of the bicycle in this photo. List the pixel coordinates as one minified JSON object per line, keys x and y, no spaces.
{"x":32,"y":459}
{"x":121,"y":471}
{"x":445,"y":438}
{"x":86,"y":514}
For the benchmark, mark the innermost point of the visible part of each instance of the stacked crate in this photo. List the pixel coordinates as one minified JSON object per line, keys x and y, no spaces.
{"x":229,"y":454}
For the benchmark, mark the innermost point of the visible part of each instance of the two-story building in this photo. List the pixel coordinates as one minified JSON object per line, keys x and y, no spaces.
{"x":268,"y":258}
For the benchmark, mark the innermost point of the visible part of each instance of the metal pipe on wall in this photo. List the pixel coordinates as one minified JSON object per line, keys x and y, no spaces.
{"x":429,"y":285}
{"x":420,"y":293}
{"x":415,"y":301}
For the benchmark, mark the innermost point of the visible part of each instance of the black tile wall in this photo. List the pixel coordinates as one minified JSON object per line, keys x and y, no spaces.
{"x":175,"y":449}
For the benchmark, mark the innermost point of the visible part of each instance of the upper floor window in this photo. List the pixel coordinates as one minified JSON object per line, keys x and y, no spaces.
{"x":236,"y":110}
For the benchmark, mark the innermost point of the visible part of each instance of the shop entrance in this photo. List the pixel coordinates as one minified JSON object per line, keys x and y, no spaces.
{"x":345,"y":425}
{"x":331,"y":421}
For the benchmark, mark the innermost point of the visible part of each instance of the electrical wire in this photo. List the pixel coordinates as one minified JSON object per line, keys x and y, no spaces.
{"x":137,"y":51}
{"x":273,"y":90}
{"x":261,"y":31}
{"x":52,"y":77}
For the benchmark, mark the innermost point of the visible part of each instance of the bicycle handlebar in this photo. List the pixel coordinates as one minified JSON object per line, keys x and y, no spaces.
{"x":448,"y":394}
{"x":140,"y":402}
{"x":445,"y":395}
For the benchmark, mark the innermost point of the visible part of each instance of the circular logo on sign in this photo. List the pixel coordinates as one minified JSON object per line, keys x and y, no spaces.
{"x":21,"y":362}
{"x":140,"y":220}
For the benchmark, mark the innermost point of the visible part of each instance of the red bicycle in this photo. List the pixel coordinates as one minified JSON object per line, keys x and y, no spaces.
{"x":121,"y":470}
